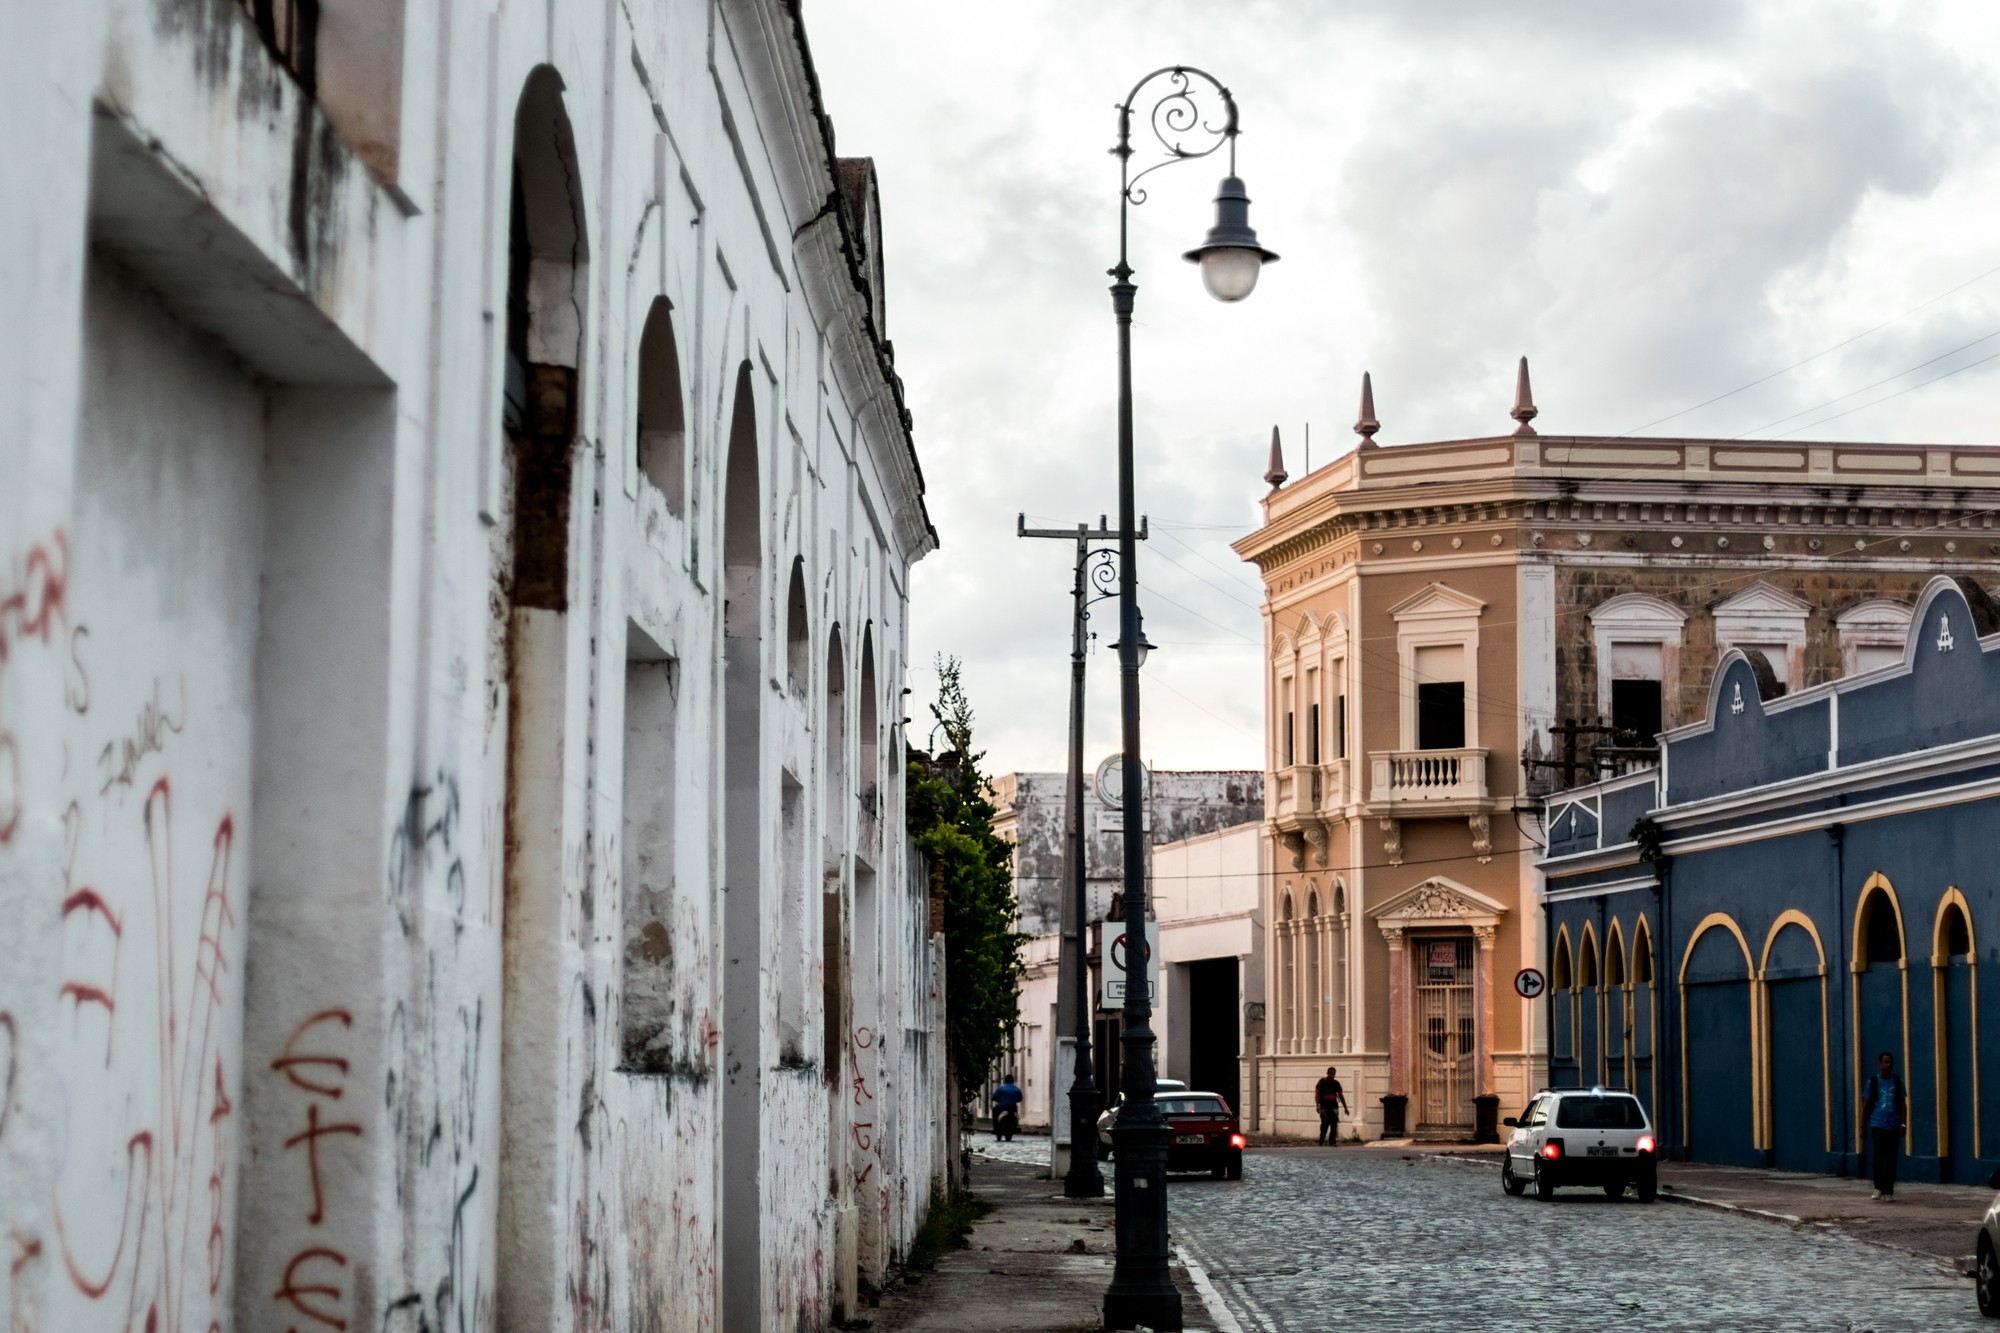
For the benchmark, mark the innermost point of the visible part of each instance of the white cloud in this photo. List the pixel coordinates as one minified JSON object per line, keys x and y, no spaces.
{"x":1657,"y":203}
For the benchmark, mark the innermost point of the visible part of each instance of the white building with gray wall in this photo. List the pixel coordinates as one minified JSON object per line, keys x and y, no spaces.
{"x":1186,"y":813}
{"x":454,"y":543}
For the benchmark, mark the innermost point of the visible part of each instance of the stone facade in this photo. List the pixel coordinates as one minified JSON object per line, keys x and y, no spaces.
{"x":1453,"y":628}
{"x":453,"y":574}
{"x":1180,"y":805}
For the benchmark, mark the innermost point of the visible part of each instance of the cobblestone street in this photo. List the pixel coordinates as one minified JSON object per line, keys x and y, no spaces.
{"x":1364,"y":1239}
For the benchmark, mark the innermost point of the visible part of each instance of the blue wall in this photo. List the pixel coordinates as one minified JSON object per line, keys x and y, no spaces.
{"x":1829,"y":1012}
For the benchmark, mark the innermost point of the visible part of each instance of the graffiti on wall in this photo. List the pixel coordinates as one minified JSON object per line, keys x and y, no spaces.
{"x":141,"y":1203}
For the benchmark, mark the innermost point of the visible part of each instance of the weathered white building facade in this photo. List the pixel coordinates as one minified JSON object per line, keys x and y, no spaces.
{"x":456,"y":515}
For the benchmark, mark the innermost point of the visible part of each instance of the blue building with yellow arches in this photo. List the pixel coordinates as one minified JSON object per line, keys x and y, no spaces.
{"x":1804,"y":881}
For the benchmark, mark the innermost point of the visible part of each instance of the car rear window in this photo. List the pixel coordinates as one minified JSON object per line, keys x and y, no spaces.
{"x":1599,"y":1113}
{"x":1192,"y":1106}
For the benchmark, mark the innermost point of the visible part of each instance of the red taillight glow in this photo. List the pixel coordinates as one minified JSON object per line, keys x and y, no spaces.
{"x":1646,"y":1143}
{"x":1238,"y":1141}
{"x":1552,"y":1151}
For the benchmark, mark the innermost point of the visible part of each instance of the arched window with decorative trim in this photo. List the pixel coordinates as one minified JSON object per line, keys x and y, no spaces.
{"x":1881,"y":997}
{"x":1288,"y":1016}
{"x":1342,"y":1038}
{"x":1617,"y":1010}
{"x":1644,"y":1019}
{"x":1562,"y":1009}
{"x":1589,"y":1018}
{"x":1956,"y":1004}
{"x":1315,"y":1015}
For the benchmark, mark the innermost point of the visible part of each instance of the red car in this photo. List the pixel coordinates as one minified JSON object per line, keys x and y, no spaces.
{"x":1202,"y":1133}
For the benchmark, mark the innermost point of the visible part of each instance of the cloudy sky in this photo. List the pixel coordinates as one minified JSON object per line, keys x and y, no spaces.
{"x":1657,"y":201}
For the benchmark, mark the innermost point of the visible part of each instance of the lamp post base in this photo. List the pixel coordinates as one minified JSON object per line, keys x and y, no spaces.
{"x":1083,"y":1180}
{"x":1143,"y":1309}
{"x":1142,"y":1292}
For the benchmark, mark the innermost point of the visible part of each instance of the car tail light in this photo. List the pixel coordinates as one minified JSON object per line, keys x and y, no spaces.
{"x":1646,"y":1143}
{"x":1238,"y":1141}
{"x":1553,"y":1150}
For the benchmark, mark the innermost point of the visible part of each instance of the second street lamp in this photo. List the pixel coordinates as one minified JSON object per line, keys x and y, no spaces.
{"x":1142,"y":1292}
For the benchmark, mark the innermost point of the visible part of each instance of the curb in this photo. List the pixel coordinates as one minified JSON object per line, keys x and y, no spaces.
{"x":1957,"y":1266}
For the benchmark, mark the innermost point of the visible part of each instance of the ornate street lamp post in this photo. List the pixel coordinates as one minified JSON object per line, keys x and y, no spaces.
{"x":1142,"y":1291}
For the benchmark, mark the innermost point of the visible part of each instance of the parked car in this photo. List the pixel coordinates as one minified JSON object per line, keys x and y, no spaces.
{"x":1202,"y":1132}
{"x":1986,"y":1272}
{"x":1161,"y":1087}
{"x":1581,"y":1136}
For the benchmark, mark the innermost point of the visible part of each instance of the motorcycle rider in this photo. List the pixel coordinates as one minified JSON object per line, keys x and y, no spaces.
{"x":1006,"y":1109}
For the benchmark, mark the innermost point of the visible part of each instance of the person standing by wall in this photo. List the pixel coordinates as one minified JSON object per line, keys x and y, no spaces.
{"x":1884,"y":1103}
{"x":1332,"y":1101}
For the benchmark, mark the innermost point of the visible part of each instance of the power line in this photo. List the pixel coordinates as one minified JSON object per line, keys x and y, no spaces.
{"x":1764,"y":379}
{"x":1865,"y":388}
{"x":1887,"y":396}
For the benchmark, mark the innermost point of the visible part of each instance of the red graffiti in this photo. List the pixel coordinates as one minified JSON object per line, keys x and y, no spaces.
{"x":89,"y":905}
{"x":26,"y":1250}
{"x":303,"y":1295}
{"x":38,"y":600}
{"x":290,"y":1061}
{"x":319,"y":1071}
{"x":32,"y":603}
{"x":146,"y":1255}
{"x":862,"y":1138}
{"x":310,"y":1136}
{"x":217,"y":1250}
{"x":140,"y":1142}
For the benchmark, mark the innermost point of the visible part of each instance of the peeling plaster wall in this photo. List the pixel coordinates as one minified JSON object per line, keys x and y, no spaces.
{"x":1180,"y":806}
{"x":317,"y":913}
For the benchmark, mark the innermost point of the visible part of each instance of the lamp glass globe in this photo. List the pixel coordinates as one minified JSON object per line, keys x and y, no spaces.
{"x":1230,"y":272}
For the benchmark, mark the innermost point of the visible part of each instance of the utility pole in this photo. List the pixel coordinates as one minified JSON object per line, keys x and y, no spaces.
{"x":1096,"y":579}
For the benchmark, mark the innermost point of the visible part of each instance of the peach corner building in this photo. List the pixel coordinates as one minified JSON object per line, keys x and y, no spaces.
{"x":1454,"y":629}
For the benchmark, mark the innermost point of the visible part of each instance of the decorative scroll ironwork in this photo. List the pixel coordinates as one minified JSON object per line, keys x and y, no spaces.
{"x":1101,"y":575}
{"x":1177,"y":120}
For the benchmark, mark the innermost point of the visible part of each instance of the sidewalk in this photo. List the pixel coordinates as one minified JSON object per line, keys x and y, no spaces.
{"x":1937,"y":1222}
{"x":1036,"y":1261}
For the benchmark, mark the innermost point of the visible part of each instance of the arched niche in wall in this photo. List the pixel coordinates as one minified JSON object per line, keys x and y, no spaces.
{"x":744,"y":830}
{"x":546,"y":294}
{"x":661,"y":428}
{"x":798,"y":632}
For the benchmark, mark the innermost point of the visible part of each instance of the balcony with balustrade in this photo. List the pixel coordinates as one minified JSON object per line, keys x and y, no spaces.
{"x":1418,"y":782}
{"x":1308,"y":793}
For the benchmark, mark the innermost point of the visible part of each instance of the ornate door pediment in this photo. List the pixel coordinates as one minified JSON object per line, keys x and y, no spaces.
{"x":1439,"y":903}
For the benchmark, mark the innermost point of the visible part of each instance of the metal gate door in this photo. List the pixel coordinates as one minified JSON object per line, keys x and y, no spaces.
{"x":1445,"y":1037}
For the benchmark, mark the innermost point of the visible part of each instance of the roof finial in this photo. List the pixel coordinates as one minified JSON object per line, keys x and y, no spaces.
{"x":1366,"y":425}
{"x":1524,"y":403}
{"x":1275,"y":473}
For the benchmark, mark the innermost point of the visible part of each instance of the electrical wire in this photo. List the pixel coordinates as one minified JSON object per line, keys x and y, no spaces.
{"x":1804,"y":411}
{"x":1845,"y":342}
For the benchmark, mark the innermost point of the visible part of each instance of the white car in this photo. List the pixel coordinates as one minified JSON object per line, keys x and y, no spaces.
{"x":1581,"y":1136}
{"x":1986,"y":1272}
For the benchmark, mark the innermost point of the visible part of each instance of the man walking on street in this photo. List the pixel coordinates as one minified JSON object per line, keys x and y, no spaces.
{"x":1332,"y":1101}
{"x":1884,"y":1104}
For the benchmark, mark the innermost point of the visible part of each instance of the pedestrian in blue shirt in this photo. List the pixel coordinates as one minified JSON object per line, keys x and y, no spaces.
{"x":1885,"y":1105}
{"x":1007,"y":1109}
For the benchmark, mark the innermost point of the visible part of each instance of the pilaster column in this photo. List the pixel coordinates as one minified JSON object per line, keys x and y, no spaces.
{"x":1484,"y":1042}
{"x":1399,"y":1012}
